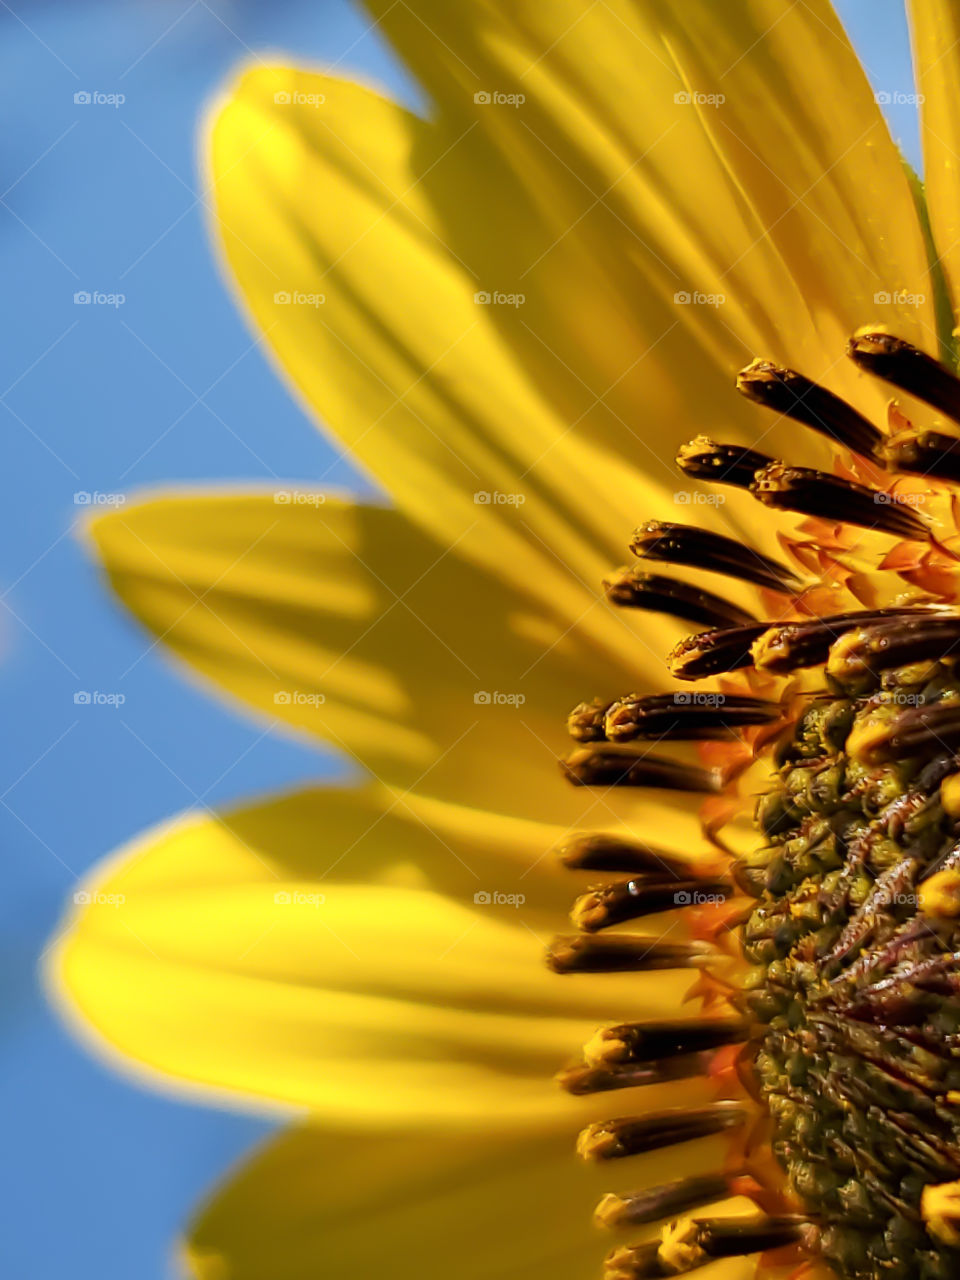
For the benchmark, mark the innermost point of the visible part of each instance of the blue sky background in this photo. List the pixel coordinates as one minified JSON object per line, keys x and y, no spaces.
{"x":98,"y":1173}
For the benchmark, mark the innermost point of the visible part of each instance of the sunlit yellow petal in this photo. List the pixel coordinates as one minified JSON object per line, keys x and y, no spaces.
{"x":936,"y":38}
{"x":349,"y":623}
{"x":350,"y":199}
{"x":706,"y":132}
{"x":602,"y":205}
{"x":346,"y":1205}
{"x":271,"y":969}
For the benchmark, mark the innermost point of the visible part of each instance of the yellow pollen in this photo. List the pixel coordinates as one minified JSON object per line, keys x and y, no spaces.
{"x":604,"y":1047}
{"x":768,"y":649}
{"x":842,"y":664}
{"x":867,"y":735}
{"x":608,"y":1211}
{"x":940,"y":1206}
{"x":950,"y":795}
{"x":940,"y":896}
{"x":677,"y":1251}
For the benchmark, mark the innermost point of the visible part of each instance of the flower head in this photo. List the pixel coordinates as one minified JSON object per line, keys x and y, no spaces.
{"x":514,"y":312}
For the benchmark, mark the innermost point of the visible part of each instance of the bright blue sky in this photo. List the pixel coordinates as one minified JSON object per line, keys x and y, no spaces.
{"x":99,"y":1173}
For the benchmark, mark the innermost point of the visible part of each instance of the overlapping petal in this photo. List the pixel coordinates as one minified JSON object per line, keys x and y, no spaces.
{"x":299,"y":951}
{"x":349,"y":200}
{"x":798,"y":227}
{"x":349,"y":623}
{"x":708,"y":140}
{"x":348,"y":1205}
{"x":511,"y":314}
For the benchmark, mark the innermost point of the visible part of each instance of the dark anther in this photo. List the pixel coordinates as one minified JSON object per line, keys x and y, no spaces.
{"x":703,"y":459}
{"x":613,"y":1139}
{"x":738,"y":1237}
{"x":795,"y":396}
{"x":611,"y":904}
{"x":684,"y":716}
{"x":685,"y":544}
{"x":636,"y":1208}
{"x":930,"y":453}
{"x":638,"y":1042}
{"x":624,"y":953}
{"x":816,"y":493}
{"x":909,"y":733}
{"x":897,"y":642}
{"x":582,"y":1079}
{"x":596,"y":851}
{"x":712,"y":653}
{"x":632,"y":588}
{"x":612,"y":765}
{"x":793,"y":645}
{"x":700,"y":1242}
{"x":908,"y":368}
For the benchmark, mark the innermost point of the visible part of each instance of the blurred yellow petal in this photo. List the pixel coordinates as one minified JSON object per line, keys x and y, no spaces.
{"x":342,"y":1206}
{"x":349,"y":623}
{"x":936,"y":49}
{"x":272,"y":969}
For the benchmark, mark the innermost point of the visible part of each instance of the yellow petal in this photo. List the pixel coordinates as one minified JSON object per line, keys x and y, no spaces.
{"x":266,"y":953}
{"x":350,"y":624}
{"x":602,"y":201}
{"x":348,"y":200}
{"x":345,"y":1205}
{"x":711,"y":134}
{"x":936,"y":47}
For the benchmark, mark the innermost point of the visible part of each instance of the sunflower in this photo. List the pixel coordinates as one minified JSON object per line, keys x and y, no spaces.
{"x":514,"y":311}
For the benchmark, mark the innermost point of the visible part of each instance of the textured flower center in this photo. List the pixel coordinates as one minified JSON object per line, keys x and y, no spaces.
{"x":830,"y":953}
{"x":853,"y":952}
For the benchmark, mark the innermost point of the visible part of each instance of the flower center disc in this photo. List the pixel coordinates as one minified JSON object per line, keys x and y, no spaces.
{"x":853,"y":954}
{"x":846,"y":1025}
